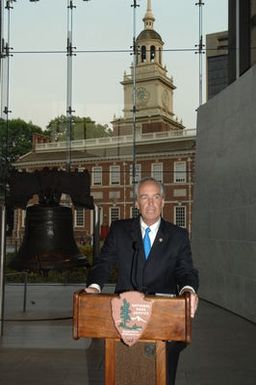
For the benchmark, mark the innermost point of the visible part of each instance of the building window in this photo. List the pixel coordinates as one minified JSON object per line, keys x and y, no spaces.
{"x":152,"y":53}
{"x":157,"y":171}
{"x":143,"y":54}
{"x":137,"y":173}
{"x":217,"y":74}
{"x":134,"y":212}
{"x":97,"y":176}
{"x":79,"y":217}
{"x":114,"y":175}
{"x":97,"y":195}
{"x":180,"y":175}
{"x":180,"y":216}
{"x":114,"y":214}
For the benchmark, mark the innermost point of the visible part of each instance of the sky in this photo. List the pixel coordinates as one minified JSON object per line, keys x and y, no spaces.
{"x":102,"y":34}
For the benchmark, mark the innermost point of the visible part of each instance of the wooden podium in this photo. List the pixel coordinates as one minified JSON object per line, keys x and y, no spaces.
{"x":170,"y":320}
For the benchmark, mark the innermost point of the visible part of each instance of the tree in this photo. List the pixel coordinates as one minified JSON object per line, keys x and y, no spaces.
{"x":125,"y":314}
{"x":16,"y":138}
{"x":82,"y":128}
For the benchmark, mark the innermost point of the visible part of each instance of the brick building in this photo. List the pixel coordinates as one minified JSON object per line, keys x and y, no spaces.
{"x":164,"y":148}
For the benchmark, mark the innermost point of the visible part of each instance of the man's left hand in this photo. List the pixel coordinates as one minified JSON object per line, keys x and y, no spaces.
{"x":193,"y":304}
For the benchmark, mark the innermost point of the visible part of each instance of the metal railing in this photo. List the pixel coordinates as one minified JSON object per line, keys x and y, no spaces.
{"x":114,"y":140}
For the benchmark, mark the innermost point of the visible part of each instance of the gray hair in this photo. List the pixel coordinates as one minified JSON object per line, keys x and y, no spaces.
{"x":149,"y":179}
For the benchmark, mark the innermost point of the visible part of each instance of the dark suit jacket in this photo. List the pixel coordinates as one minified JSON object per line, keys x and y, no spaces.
{"x":169,"y":266}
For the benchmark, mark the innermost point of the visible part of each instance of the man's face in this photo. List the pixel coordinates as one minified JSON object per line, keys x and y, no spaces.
{"x":150,"y":202}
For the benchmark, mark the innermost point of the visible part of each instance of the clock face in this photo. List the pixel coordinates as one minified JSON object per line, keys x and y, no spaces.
{"x":142,"y":95}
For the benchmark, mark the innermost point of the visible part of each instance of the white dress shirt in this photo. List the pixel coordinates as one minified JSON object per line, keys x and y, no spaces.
{"x":153,"y":229}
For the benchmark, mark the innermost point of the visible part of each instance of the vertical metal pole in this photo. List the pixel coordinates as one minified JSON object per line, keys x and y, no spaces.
{"x":1,"y":36}
{"x":70,"y":48}
{"x":134,"y":108}
{"x":200,"y":51}
{"x":5,"y":86}
{"x":25,"y":292}
{"x":2,"y":267}
{"x":96,"y":232}
{"x":2,"y":261}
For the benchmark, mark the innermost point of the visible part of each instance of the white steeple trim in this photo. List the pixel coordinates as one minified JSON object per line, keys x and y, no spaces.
{"x":149,"y":17}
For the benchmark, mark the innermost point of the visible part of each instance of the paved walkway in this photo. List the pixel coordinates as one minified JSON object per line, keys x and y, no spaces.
{"x":37,"y":347}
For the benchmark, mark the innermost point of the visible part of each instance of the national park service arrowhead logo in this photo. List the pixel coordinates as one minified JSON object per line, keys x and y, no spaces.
{"x":131,"y":313}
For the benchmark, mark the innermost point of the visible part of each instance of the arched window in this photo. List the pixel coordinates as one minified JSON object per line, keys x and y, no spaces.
{"x":152,"y":53}
{"x":143,"y":54}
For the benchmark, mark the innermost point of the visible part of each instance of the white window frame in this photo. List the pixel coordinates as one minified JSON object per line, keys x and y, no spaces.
{"x":79,"y":216}
{"x":97,"y":175}
{"x":132,"y":209}
{"x":114,"y":175}
{"x":23,"y":217}
{"x":116,"y":217}
{"x":100,"y":215}
{"x":157,"y":171}
{"x":92,"y":218}
{"x":180,"y":172}
{"x":178,"y":221}
{"x":137,"y":173}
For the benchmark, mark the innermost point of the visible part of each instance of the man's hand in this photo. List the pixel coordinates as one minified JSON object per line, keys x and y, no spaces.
{"x":194,"y":300}
{"x":91,"y":290}
{"x":193,"y":304}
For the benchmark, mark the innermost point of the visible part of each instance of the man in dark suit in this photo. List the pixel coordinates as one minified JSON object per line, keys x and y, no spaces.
{"x":168,"y":267}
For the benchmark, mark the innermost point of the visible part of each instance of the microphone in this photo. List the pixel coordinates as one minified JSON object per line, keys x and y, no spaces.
{"x":134,"y":266}
{"x":137,"y":270}
{"x":135,"y":246}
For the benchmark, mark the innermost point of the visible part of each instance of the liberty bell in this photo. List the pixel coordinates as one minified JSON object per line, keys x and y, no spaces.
{"x":48,"y":242}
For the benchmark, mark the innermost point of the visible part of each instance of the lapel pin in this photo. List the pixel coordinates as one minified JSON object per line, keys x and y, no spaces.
{"x":160,"y":239}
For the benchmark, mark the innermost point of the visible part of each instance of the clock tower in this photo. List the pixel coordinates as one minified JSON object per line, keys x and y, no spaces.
{"x":154,"y":89}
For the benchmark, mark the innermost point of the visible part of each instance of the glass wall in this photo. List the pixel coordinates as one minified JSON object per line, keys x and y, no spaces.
{"x":108,"y":89}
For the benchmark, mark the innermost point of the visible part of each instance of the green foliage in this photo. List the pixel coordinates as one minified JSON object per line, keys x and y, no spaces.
{"x":81,"y":128}
{"x":16,"y":138}
{"x":77,"y":275}
{"x":74,"y":275}
{"x":87,"y":250}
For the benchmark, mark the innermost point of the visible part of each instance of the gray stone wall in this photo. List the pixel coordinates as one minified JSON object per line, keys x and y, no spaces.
{"x":224,"y":213}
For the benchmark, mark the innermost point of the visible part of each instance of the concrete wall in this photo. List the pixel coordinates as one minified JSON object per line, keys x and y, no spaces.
{"x":224,"y":213}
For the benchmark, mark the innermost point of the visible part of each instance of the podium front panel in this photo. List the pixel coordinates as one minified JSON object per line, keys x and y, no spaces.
{"x":136,"y":364}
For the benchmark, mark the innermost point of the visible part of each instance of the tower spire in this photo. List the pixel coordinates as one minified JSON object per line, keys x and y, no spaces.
{"x":149,"y":17}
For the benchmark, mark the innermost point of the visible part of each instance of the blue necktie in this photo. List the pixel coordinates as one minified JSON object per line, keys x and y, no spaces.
{"x":146,"y":242}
